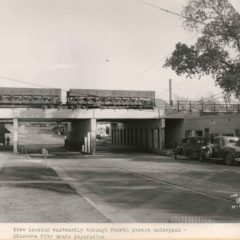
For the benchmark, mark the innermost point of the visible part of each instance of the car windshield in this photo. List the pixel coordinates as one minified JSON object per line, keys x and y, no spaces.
{"x":234,"y":141}
{"x":195,"y":140}
{"x":201,"y":140}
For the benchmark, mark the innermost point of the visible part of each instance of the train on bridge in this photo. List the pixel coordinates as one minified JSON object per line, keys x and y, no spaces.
{"x":76,"y":98}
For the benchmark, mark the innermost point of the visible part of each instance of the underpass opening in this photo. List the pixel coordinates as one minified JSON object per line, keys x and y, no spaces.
{"x":136,"y":135}
{"x":34,"y":136}
{"x":30,"y":137}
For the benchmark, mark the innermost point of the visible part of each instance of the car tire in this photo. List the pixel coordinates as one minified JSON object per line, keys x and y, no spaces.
{"x":201,"y":157}
{"x":207,"y":154}
{"x":228,"y":159}
{"x":189,"y":155}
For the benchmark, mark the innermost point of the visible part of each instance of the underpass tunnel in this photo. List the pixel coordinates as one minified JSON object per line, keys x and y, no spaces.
{"x":88,"y":135}
{"x":23,"y":136}
{"x":91,"y":135}
{"x":34,"y":136}
{"x":134,"y":135}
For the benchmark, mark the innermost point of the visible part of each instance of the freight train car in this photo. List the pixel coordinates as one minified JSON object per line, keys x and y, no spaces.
{"x":91,"y":98}
{"x":30,"y":97}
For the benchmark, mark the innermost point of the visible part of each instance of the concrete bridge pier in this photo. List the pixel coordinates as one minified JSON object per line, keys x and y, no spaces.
{"x":15,"y":135}
{"x":2,"y":133}
{"x":81,"y":135}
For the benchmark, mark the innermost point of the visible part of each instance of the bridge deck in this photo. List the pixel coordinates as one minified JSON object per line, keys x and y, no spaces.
{"x":33,"y":113}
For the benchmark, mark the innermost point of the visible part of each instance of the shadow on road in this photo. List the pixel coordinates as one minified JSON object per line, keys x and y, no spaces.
{"x":34,"y":177}
{"x":28,"y":173}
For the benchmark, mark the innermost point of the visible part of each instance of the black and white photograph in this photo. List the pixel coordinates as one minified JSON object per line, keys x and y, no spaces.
{"x":119,"y":119}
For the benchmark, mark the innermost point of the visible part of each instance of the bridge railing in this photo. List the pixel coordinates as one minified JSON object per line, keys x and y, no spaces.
{"x":200,"y":106}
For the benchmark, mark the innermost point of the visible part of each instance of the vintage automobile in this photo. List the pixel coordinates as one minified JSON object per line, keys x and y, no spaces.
{"x":223,"y":148}
{"x":190,"y":147}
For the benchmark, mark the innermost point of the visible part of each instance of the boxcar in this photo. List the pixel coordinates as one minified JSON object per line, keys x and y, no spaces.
{"x":92,"y":98}
{"x":20,"y":97}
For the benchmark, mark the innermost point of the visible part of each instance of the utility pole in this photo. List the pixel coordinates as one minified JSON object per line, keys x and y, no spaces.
{"x":170,"y":92}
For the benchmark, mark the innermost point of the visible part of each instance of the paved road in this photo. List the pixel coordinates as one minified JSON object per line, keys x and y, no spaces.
{"x":116,"y":187}
{"x":32,"y":192}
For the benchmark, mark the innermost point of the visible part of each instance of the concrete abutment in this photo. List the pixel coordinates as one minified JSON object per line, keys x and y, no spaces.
{"x":81,"y":135}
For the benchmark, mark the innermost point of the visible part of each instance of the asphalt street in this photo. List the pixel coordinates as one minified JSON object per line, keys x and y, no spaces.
{"x":115,"y":187}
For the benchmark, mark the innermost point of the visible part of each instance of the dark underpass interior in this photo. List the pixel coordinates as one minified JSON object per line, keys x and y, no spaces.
{"x":174,"y":130}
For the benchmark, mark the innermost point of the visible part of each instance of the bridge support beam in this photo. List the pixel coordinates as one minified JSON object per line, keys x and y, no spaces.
{"x":93,"y":135}
{"x":81,"y":135}
{"x":15,"y":135}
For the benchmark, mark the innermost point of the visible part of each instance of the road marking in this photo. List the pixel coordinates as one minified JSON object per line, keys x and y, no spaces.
{"x":44,"y":161}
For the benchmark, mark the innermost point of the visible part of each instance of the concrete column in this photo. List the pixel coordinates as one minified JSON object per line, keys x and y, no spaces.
{"x":112,"y":136}
{"x":2,"y":133}
{"x":146,"y":138}
{"x":149,"y":138}
{"x":117,"y":136}
{"x":155,"y":138}
{"x":141,"y":137}
{"x":88,"y":142}
{"x":121,"y":136}
{"x":15,"y":135}
{"x":134,"y":137}
{"x":93,"y":135}
{"x":162,"y":136}
{"x":68,"y":134}
{"x":137,"y":137}
{"x":85,"y":145}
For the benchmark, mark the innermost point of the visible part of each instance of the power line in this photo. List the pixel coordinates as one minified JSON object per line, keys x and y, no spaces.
{"x":148,"y":68}
{"x":169,"y":11}
{"x":25,"y":82}
{"x":154,"y":64}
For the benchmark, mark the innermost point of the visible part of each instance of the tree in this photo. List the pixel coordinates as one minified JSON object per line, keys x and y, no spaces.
{"x":217,"y":49}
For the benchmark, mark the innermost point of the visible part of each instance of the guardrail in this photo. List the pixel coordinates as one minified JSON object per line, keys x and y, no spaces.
{"x":200,"y":106}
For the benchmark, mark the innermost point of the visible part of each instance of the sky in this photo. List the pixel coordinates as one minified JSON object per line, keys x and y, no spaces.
{"x":96,"y":44}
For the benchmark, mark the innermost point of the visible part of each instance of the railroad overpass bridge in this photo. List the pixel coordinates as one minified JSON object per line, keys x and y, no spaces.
{"x":144,"y":130}
{"x":135,"y":128}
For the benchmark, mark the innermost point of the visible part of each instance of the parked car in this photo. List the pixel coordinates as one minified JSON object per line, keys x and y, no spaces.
{"x":190,"y":147}
{"x":223,"y":148}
